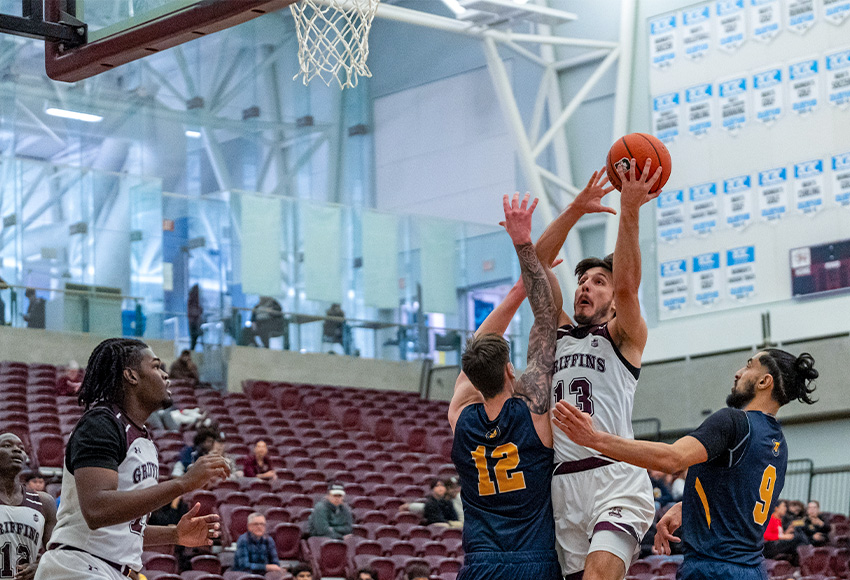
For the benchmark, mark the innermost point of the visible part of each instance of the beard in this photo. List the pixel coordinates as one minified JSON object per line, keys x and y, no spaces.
{"x":598,"y":316}
{"x":740,"y":399}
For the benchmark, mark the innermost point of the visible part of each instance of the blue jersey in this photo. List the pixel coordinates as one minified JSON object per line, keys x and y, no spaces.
{"x":505,"y":475}
{"x":729,"y":498}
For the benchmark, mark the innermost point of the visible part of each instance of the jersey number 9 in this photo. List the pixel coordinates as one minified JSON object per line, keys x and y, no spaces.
{"x":508,"y":460}
{"x":761,"y":511}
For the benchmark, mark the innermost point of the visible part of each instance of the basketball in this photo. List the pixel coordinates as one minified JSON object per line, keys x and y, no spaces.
{"x":638,"y":146}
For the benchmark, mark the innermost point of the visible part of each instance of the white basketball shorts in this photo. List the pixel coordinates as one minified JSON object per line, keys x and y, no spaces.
{"x":73,"y":565}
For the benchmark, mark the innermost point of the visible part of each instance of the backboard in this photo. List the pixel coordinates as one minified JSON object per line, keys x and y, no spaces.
{"x":121,"y":31}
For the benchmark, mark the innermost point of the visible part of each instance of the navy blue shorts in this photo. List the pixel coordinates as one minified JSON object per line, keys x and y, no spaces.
{"x":538,"y":565}
{"x":702,"y":569}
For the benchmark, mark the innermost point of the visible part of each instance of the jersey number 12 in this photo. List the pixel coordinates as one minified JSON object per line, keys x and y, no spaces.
{"x":22,"y":557}
{"x":508,"y":460}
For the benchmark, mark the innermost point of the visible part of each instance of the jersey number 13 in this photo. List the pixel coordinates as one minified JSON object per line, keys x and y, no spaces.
{"x":582,"y":389}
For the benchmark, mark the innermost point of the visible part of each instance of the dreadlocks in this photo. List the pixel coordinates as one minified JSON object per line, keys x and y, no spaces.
{"x":104,"y":378}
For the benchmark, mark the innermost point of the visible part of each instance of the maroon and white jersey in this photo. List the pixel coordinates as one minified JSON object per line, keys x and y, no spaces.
{"x":21,"y":531}
{"x":592,"y":374}
{"x":105,"y":437}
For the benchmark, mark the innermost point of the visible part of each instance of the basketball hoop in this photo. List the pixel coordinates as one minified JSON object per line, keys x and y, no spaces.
{"x":333,"y":39}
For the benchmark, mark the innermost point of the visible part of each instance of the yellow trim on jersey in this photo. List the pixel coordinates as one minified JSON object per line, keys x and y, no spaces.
{"x":704,"y":500}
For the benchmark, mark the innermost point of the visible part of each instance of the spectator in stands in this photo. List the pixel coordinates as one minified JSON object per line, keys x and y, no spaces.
{"x":255,"y":550}
{"x":780,"y":543}
{"x":34,"y":481}
{"x":35,"y":310}
{"x":794,"y":515}
{"x":660,"y":489}
{"x":438,"y":508}
{"x":169,"y":515}
{"x":302,"y":571}
{"x":257,"y":464}
{"x":70,"y":381}
{"x":366,"y":574}
{"x":453,"y":495}
{"x":220,"y":448}
{"x":184,"y":368}
{"x":334,"y":330}
{"x":418,"y":572}
{"x":331,"y":517}
{"x":677,"y":485}
{"x":814,"y":527}
{"x":267,"y":320}
{"x":194,"y":314}
{"x":201,"y":445}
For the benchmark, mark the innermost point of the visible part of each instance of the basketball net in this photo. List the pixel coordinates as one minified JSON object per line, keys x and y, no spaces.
{"x":333,"y":39}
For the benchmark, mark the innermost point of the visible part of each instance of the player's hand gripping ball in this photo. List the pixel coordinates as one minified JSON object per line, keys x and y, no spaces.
{"x":640,"y":147}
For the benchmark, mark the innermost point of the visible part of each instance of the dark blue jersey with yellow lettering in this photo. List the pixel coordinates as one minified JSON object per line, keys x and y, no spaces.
{"x":505,"y":474}
{"x":729,"y":498}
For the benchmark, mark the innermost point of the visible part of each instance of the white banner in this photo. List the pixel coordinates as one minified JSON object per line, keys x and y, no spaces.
{"x":706,"y":278}
{"x":766,"y":19}
{"x":800,"y":15}
{"x":738,"y":201}
{"x":838,"y":78}
{"x":670,"y":215}
{"x":803,"y":80}
{"x":767,"y":98}
{"x":699,"y":108}
{"x":704,"y":208}
{"x":666,"y":115}
{"x":836,"y":11}
{"x":696,"y":32}
{"x":741,"y":272}
{"x":841,"y":179}
{"x":773,"y":194}
{"x":662,"y":41}
{"x":808,"y":186}
{"x":733,"y":104}
{"x":731,"y":26}
{"x":673,"y":285}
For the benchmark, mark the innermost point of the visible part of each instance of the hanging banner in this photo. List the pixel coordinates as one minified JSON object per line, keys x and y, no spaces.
{"x":766,"y":18}
{"x":836,"y":11}
{"x":803,"y":79}
{"x":738,"y":201}
{"x":733,"y":104}
{"x":800,"y":15}
{"x":773,"y":194}
{"x":841,"y":178}
{"x":731,"y":25}
{"x":741,"y":272}
{"x":704,"y":208}
{"x":767,"y":86}
{"x":662,"y":41}
{"x":706,"y":278}
{"x":808,"y":186}
{"x":673,"y":285}
{"x":670,"y":215}
{"x":665,"y":117}
{"x":699,"y":109}
{"x":838,"y":78}
{"x":696,"y":32}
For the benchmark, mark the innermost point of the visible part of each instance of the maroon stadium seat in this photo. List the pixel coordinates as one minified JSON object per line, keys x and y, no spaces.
{"x":385,"y":567}
{"x":815,"y":561}
{"x":287,"y":538}
{"x":49,"y":450}
{"x":206,"y":563}
{"x":160,"y":562}
{"x":329,"y":557}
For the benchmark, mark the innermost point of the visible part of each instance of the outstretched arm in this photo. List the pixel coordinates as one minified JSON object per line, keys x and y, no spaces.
{"x":628,"y":328}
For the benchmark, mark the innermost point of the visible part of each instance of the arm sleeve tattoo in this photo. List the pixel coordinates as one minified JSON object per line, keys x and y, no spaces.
{"x":535,"y":384}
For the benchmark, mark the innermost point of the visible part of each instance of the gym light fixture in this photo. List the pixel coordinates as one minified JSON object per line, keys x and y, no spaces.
{"x":193,"y":134}
{"x":66,"y":114}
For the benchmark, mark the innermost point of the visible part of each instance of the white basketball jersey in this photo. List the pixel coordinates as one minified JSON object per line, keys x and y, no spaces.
{"x":21,"y":530}
{"x":120,"y":543}
{"x":591,"y":374}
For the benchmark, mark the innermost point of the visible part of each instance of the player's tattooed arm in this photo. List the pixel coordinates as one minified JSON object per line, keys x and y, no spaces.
{"x":534,"y":385}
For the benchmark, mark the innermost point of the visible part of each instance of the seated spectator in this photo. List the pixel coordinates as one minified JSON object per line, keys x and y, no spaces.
{"x":660,"y":489}
{"x":220,"y":448}
{"x":184,"y":368}
{"x":301,"y":571}
{"x":366,"y":574}
{"x":257,"y":464}
{"x":417,"y":572}
{"x":255,"y":550}
{"x":815,"y":529}
{"x":331,"y":518}
{"x":34,"y":481}
{"x":779,"y":543}
{"x":453,"y":495}
{"x":201,"y":445}
{"x":794,"y":515}
{"x":438,"y":509}
{"x":70,"y":381}
{"x":169,"y":515}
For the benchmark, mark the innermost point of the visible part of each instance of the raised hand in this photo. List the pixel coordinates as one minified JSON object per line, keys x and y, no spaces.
{"x":589,"y":199}
{"x":194,"y":531}
{"x":518,"y":218}
{"x":576,"y":425}
{"x":636,"y":190}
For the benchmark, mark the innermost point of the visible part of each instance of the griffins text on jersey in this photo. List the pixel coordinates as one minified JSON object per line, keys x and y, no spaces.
{"x":20,"y":529}
{"x":587,"y":361}
{"x":145,"y":471}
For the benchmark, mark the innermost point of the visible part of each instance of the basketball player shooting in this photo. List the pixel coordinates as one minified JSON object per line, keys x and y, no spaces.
{"x":602,"y":507}
{"x":736,"y":463}
{"x":111,"y":472}
{"x":503,"y":435}
{"x":26,"y":518}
